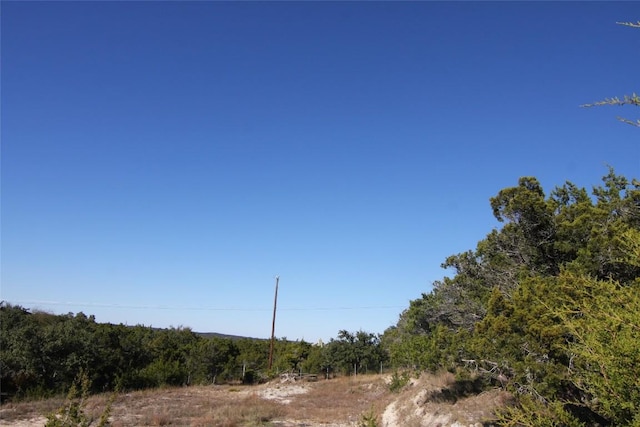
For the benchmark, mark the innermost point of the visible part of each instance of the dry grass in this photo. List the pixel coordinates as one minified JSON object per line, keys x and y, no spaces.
{"x":194,"y":406}
{"x":249,"y":411}
{"x":341,"y":400}
{"x":14,"y":411}
{"x":29,"y":413}
{"x":18,"y":413}
{"x":335,"y":402}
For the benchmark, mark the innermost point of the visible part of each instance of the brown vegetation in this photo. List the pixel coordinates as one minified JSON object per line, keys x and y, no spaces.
{"x":336,"y":402}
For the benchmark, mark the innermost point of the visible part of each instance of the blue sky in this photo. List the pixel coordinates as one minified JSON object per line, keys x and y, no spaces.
{"x":162,"y":162}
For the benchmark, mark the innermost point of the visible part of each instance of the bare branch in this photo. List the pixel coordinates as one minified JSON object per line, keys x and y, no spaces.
{"x":633,"y":99}
{"x":630,"y":24}
{"x":629,"y":122}
{"x":626,"y":100}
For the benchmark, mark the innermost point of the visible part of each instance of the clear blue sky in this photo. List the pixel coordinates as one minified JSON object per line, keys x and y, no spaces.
{"x":162,"y":162}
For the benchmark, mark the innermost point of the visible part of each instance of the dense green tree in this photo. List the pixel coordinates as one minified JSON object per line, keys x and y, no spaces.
{"x":603,"y":319}
{"x":133,"y":347}
{"x":357,"y":352}
{"x":171,"y":357}
{"x":317,"y":361}
{"x":290,"y":355}
{"x":22,"y":363}
{"x":216,"y":357}
{"x":569,"y":339}
{"x":253,"y":357}
{"x":68,"y":346}
{"x":428,"y":352}
{"x":42,"y":354}
{"x":540,"y":236}
{"x":545,"y":306}
{"x":529,"y":232}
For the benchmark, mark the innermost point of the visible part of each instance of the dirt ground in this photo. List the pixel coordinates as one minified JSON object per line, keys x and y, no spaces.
{"x":340,"y":402}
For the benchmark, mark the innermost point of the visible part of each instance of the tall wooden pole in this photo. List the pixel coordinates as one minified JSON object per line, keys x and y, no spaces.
{"x":273,"y":325}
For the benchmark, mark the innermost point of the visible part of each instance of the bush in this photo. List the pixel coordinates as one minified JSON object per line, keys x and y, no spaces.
{"x":399,"y":381}
{"x":368,"y":419}
{"x":72,"y":412}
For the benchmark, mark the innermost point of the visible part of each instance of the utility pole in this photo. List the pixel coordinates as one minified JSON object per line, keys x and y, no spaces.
{"x":273,"y":325}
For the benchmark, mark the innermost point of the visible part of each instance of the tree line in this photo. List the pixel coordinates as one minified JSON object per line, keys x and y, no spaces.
{"x":41,"y":355}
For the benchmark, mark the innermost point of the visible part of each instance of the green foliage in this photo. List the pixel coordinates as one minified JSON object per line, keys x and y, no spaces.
{"x":368,"y":419}
{"x":568,"y":339}
{"x":21,"y":360}
{"x":213,"y":360}
{"x":532,"y":412}
{"x":162,"y":372}
{"x":603,"y":319}
{"x":629,"y":243}
{"x":528,"y":235}
{"x":429,"y":352}
{"x":317,"y":361}
{"x":253,"y":354}
{"x":546,"y":306}
{"x":72,"y":412}
{"x":291,"y":356}
{"x":40,"y":355}
{"x":399,"y":381}
{"x":355,"y":353}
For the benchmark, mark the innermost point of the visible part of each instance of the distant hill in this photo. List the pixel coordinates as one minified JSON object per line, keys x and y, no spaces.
{"x":232,"y":337}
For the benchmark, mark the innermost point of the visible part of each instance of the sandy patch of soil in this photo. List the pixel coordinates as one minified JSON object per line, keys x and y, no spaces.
{"x":425,"y":402}
{"x":31,"y":422}
{"x":282,"y":393}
